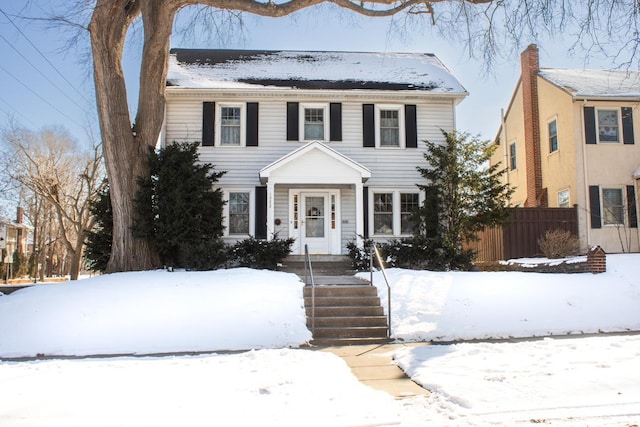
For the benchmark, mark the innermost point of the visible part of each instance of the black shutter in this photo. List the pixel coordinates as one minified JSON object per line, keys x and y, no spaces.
{"x":627,"y":125}
{"x":590,"y":125}
{"x":208,"y":122}
{"x":631,"y":206}
{"x":594,"y":206}
{"x":365,"y":211}
{"x":335,"y":121}
{"x":261,"y":213}
{"x":292,"y":121}
{"x":368,"y":126}
{"x":252,"y":124}
{"x":410,"y":126}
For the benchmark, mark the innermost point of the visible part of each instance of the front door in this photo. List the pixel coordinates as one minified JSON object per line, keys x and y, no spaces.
{"x":315,"y":222}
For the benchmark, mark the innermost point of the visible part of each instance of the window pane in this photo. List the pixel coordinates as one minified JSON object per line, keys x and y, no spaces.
{"x":238,"y":213}
{"x":608,"y":125}
{"x":512,"y":156}
{"x":230,"y":126}
{"x":553,"y":136}
{"x":563,"y":199}
{"x":314,"y":225}
{"x":612,"y":206}
{"x":408,"y":205}
{"x":389,"y":128}
{"x":383,"y":213}
{"x":314,"y":123}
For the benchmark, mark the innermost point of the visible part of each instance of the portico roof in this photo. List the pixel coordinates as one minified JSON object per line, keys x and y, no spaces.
{"x":314,"y":163}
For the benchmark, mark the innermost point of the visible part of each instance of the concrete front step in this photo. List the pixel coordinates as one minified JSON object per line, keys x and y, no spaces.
{"x":341,"y":290}
{"x":342,"y":301}
{"x":345,"y":311}
{"x":352,"y":332}
{"x":348,"y":321}
{"x":339,"y":342}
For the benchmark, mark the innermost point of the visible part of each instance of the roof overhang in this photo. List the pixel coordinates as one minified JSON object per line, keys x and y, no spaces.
{"x":314,"y":163}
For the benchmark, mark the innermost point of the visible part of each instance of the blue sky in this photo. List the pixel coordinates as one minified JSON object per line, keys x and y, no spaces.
{"x":44,"y":84}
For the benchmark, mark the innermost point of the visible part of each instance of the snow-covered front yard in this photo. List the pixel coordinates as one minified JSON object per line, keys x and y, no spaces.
{"x":576,"y":381}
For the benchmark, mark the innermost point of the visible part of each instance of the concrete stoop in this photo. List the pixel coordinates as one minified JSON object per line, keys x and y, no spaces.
{"x":373,"y":366}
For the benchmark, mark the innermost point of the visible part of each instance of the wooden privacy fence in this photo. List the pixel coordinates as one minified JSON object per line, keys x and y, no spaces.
{"x":518,"y":237}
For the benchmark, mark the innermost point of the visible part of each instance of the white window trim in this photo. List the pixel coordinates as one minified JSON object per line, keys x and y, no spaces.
{"x":551,"y":120}
{"x":225,"y":211}
{"x":619,"y":114}
{"x":624,"y":205}
{"x":402,"y":134}
{"x":397,"y":214}
{"x":325,"y":108}
{"x":568,"y":191}
{"x":243,"y":123}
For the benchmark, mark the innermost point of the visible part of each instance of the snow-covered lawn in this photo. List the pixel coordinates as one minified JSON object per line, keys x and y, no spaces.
{"x":576,"y":381}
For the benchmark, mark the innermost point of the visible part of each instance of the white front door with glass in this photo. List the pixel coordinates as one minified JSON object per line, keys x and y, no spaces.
{"x":315,"y":222}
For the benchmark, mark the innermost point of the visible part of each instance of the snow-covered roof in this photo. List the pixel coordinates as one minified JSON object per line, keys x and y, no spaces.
{"x":219,"y":68}
{"x":595,"y":83}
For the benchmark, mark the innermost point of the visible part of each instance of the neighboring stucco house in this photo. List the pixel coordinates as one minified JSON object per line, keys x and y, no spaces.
{"x":568,"y":138}
{"x":14,"y":236}
{"x":318,"y":146}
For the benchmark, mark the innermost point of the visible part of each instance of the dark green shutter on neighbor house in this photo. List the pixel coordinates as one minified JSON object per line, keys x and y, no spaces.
{"x":252,"y":124}
{"x":589,"y":125}
{"x":594,"y":206}
{"x":208,"y":123}
{"x":627,"y":125}
{"x":631,"y":206}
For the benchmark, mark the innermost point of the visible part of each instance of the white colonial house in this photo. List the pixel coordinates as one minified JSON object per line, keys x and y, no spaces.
{"x":319,"y":146}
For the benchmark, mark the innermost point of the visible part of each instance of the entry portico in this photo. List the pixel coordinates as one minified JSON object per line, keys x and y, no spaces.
{"x":323,"y":191}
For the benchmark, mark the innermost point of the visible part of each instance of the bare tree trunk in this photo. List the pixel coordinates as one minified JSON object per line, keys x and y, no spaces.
{"x":125,"y":153}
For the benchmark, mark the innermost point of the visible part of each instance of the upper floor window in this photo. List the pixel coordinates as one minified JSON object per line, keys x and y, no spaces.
{"x":230,"y":125}
{"x":608,"y":126}
{"x":553,"y":136}
{"x":513,"y":160}
{"x":563,"y":199}
{"x":314,"y":119}
{"x":389,"y":128}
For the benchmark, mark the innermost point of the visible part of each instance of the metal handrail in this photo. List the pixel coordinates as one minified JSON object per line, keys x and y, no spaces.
{"x":307,"y":264}
{"x":374,"y":250}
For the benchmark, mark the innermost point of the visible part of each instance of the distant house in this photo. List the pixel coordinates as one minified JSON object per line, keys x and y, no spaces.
{"x":318,"y":146}
{"x":568,"y":137}
{"x":14,"y":237}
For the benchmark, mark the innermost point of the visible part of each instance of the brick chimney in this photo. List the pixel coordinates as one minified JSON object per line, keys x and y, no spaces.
{"x":529,"y":73}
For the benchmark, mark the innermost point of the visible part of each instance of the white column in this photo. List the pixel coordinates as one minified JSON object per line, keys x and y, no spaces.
{"x":359,"y":213}
{"x":270,"y":209}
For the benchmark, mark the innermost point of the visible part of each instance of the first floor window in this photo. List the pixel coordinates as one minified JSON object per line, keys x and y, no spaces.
{"x":230,"y":126}
{"x":612,"y":206}
{"x":553,"y":136}
{"x":608,"y":128}
{"x":409,"y":203}
{"x":513,"y":160}
{"x":389,"y":128}
{"x":238,"y":213}
{"x":563,"y":199}
{"x":314,"y":124}
{"x":383,"y":213}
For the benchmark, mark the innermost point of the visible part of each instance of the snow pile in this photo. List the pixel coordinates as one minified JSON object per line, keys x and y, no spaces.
{"x":155,"y":312}
{"x":449,"y":306}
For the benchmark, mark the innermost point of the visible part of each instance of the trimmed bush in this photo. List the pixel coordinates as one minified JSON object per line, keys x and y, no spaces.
{"x":254,"y":253}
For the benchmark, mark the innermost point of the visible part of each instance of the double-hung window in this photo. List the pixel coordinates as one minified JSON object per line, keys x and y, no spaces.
{"x":389,"y":128}
{"x":239,"y":213}
{"x":608,"y":126}
{"x":314,"y":120}
{"x":393,"y":212}
{"x":612,"y":206}
{"x":553,"y":136}
{"x":513,"y":159}
{"x":230,"y":125}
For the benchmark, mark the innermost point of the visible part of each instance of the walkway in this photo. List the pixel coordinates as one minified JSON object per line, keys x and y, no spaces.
{"x":373,"y":366}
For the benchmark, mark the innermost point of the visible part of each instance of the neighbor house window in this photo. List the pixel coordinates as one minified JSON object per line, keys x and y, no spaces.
{"x":383,"y":213}
{"x":230,"y":125}
{"x":239,"y":213}
{"x":563,"y":199}
{"x":513,"y":160}
{"x":608,"y":126}
{"x":553,"y":136}
{"x":409,"y":202}
{"x":389,"y":128}
{"x":612,"y":206}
